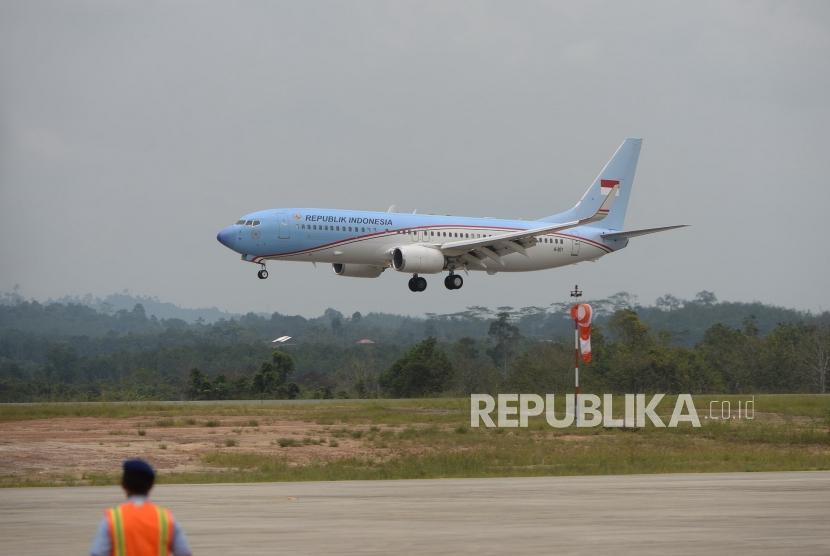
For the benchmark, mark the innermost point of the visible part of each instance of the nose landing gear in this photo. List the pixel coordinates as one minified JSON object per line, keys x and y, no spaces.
{"x":417,"y":284}
{"x":262,"y":274}
{"x":453,"y":282}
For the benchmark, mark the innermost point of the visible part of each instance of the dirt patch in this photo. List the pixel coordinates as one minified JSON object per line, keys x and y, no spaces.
{"x":84,"y":445}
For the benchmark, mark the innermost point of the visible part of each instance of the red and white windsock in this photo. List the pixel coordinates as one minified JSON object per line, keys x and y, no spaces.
{"x":581,"y":313}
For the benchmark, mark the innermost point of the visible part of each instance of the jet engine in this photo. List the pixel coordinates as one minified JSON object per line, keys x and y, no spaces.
{"x":357,"y":270}
{"x":418,"y":259}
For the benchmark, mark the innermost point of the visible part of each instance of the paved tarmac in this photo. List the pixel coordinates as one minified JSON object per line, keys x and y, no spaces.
{"x":734,"y":513}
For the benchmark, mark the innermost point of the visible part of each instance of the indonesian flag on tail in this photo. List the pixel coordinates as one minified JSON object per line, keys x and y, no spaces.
{"x":605,"y":186}
{"x":581,"y":313}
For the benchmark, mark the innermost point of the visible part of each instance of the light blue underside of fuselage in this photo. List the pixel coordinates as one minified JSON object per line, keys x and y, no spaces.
{"x":280,"y":234}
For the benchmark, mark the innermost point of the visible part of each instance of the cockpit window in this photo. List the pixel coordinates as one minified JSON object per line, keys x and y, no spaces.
{"x":256,"y":222}
{"x":240,"y":222}
{"x":249,"y":223}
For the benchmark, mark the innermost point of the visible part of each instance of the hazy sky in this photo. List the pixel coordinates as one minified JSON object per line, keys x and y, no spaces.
{"x":131,"y":132}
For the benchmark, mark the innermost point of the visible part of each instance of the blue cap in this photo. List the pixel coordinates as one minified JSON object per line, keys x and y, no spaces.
{"x":139,"y":466}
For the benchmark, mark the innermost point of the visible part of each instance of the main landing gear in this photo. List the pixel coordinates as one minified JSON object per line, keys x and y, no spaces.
{"x":453,"y":281}
{"x":262,"y":274}
{"x":417,"y":284}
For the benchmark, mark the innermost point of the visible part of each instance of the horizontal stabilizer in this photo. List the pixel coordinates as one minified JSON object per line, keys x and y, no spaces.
{"x":644,"y":231}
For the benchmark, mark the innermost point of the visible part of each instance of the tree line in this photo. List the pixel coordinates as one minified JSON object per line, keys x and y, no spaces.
{"x":68,"y":351}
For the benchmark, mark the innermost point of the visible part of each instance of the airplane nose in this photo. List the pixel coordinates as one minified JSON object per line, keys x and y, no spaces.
{"x":224,"y":237}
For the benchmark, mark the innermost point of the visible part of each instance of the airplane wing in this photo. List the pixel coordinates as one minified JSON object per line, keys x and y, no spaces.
{"x":644,"y":231}
{"x":473,"y":251}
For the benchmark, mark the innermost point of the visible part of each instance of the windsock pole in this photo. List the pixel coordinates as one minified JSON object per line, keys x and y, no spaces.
{"x":576,"y":294}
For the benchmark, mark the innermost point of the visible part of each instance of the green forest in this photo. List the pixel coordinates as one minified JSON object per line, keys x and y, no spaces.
{"x":93,"y":350}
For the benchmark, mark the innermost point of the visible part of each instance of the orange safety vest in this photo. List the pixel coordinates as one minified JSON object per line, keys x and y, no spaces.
{"x":145,"y":530}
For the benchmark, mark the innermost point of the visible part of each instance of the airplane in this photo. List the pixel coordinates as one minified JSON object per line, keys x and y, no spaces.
{"x":363,"y":244}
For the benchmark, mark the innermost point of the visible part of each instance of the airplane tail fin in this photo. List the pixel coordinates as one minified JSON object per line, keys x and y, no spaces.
{"x":618,"y":171}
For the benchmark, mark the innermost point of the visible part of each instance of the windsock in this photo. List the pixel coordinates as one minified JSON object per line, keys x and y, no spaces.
{"x":581,"y":313}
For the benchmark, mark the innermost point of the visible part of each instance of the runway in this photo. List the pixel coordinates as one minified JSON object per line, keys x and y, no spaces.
{"x":737,"y":513}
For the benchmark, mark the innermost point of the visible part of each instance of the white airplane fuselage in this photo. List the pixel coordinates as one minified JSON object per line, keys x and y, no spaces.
{"x":332,"y":236}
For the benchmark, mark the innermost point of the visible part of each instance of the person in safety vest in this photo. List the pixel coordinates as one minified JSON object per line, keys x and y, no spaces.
{"x":139,"y":527}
